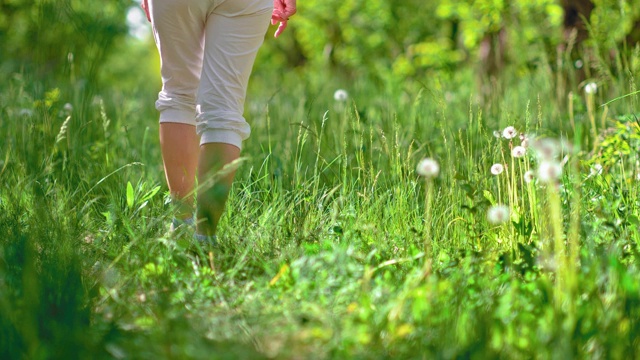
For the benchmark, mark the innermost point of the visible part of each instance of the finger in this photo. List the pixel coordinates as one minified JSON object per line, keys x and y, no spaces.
{"x":145,"y":8}
{"x":288,"y":12}
{"x":276,"y":20}
{"x":277,"y":15}
{"x":290,"y":7}
{"x":281,"y":27}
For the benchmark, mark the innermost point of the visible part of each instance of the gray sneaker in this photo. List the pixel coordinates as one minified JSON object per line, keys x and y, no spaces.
{"x":206,"y":241}
{"x":177,"y":223}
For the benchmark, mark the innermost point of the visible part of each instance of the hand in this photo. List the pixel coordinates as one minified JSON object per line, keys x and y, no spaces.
{"x":282,"y":10}
{"x":145,"y":7}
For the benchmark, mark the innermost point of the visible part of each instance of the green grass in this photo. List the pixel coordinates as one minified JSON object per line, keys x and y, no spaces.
{"x":323,"y":243}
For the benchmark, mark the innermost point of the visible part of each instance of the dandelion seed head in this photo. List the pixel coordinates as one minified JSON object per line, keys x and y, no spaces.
{"x":591,"y":88}
{"x":67,"y":107}
{"x":596,"y":169}
{"x":578,"y":64}
{"x":428,"y":168}
{"x":547,"y":149}
{"x":497,"y":169}
{"x":518,"y":151}
{"x":549,"y":171}
{"x":509,"y":132}
{"x":25,"y":112}
{"x":340,"y":95}
{"x":498,"y":214}
{"x":548,"y":263}
{"x":497,"y":134}
{"x":528,"y":176}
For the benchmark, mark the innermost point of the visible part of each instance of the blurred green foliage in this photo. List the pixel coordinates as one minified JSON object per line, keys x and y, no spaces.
{"x":53,"y":38}
{"x":406,"y":37}
{"x":611,"y":21}
{"x":375,"y":38}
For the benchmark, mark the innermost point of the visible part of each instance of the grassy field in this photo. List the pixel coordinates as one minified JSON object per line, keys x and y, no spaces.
{"x":333,"y":245}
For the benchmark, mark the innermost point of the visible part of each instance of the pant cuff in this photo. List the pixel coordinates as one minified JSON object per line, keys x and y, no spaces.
{"x":178,"y":116}
{"x":221,"y":136}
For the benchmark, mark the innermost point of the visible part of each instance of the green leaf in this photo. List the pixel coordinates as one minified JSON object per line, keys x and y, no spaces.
{"x":129,"y":195}
{"x":151,"y":193}
{"x":489,"y":196}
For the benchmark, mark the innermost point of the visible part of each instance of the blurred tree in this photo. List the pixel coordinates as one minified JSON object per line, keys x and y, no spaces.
{"x":407,"y":38}
{"x":366,"y":37}
{"x":54,"y":38}
{"x":576,"y":16}
{"x":382,"y":39}
{"x":597,"y":37}
{"x":497,"y":33}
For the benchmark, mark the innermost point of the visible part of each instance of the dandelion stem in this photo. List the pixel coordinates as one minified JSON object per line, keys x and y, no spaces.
{"x":574,"y":233}
{"x":555,"y":218}
{"x":592,"y":119}
{"x":428,"y":240}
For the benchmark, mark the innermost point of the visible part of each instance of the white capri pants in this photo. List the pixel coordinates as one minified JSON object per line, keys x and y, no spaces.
{"x":207,"y":50}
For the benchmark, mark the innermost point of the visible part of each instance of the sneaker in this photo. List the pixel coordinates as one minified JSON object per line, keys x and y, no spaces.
{"x":206,"y":241}
{"x":177,"y":223}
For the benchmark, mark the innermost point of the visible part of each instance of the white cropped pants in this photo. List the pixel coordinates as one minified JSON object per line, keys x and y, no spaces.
{"x":207,"y":50}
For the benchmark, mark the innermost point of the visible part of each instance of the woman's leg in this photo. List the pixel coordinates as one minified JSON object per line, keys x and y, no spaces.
{"x":233,"y":34}
{"x":178,"y":32}
{"x":216,"y":183}
{"x":180,"y":149}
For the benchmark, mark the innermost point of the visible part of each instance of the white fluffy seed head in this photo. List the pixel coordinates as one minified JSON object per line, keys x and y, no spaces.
{"x":591,"y":88}
{"x":596,"y":169}
{"x":498,"y":214}
{"x":518,"y":151}
{"x":68,"y":107}
{"x":25,"y":112}
{"x":497,"y":169}
{"x":509,"y":132}
{"x":528,"y":176}
{"x":428,"y":168}
{"x":549,"y":171}
{"x":496,"y":134}
{"x":547,"y":149}
{"x":340,"y":95}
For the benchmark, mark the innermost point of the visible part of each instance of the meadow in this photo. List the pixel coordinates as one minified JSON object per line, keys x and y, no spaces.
{"x":518,"y":238}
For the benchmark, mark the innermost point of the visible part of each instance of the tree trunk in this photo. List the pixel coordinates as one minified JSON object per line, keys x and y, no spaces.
{"x":573,"y":58}
{"x":492,"y":59}
{"x":633,"y":37}
{"x":576,"y":12}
